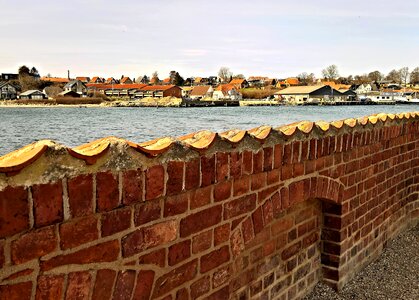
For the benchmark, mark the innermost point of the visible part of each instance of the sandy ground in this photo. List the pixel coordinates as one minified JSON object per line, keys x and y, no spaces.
{"x":394,"y":275}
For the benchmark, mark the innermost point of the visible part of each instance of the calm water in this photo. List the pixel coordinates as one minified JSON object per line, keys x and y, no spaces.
{"x":75,"y":126}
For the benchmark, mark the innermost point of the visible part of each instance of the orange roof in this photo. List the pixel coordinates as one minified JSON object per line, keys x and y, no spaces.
{"x":225,"y":88}
{"x":83,"y":78}
{"x":166,"y":80}
{"x":103,"y":86}
{"x":238,"y":81}
{"x":157,"y":87}
{"x":251,"y":78}
{"x":124,"y":79}
{"x":55,"y":79}
{"x":292,"y":81}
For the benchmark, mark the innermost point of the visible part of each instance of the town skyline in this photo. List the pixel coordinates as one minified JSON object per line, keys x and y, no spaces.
{"x":273,"y":38}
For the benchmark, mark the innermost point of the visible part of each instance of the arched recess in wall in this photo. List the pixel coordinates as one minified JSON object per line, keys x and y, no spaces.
{"x":288,"y":232}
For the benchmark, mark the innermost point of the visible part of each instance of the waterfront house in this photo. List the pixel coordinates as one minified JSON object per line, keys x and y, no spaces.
{"x":361,"y":89}
{"x":7,"y":91}
{"x":309,"y":94}
{"x":226,"y":92}
{"x":8,"y":76}
{"x":83,"y":79}
{"x":159,"y":91}
{"x":69,"y":93}
{"x":33,"y":95}
{"x":76,"y":86}
{"x":201,"y":92}
{"x":240,"y":83}
{"x":126,"y":80}
{"x":186,"y":91}
{"x":97,"y":79}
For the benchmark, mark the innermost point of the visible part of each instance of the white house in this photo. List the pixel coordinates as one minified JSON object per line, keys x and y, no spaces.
{"x":226,"y":92}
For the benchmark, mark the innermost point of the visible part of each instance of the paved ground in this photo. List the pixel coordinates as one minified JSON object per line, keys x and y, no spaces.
{"x":395,"y":275}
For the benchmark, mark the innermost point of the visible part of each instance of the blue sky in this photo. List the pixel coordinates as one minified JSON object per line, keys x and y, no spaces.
{"x":272,"y":38}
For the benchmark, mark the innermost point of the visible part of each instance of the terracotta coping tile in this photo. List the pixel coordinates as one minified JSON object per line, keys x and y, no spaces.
{"x":260,"y":133}
{"x":350,"y":122}
{"x":200,"y":140}
{"x":324,"y":126}
{"x":337,"y":124}
{"x":90,"y":152}
{"x":18,"y":159}
{"x":153,"y":147}
{"x":233,"y":136}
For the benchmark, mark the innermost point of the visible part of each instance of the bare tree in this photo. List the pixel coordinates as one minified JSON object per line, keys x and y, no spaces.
{"x":306,"y":79}
{"x":404,"y":75}
{"x":53,"y":91}
{"x":394,"y":76}
{"x":375,"y":76}
{"x":331,"y":72}
{"x":225,"y":74}
{"x":414,"y":76}
{"x":239,"y":76}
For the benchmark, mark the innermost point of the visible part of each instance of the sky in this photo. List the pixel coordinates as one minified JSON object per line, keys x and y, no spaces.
{"x":256,"y":38}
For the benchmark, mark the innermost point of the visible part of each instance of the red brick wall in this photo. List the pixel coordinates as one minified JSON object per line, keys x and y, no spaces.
{"x":248,"y":223}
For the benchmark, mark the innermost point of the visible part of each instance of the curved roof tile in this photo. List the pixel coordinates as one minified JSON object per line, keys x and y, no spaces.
{"x":17,"y":160}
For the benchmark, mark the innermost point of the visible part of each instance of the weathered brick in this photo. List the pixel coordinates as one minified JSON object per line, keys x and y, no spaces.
{"x":200,"y":197}
{"x":257,"y":218}
{"x":239,"y":206}
{"x":47,"y":203}
{"x":286,"y":172}
{"x":14,"y":212}
{"x":154,"y":182}
{"x":104,"y":252}
{"x":34,"y":244}
{"x":241,"y":186}
{"x":247,"y":162}
{"x":124,"y":285}
{"x":182,"y":294}
{"x":247,"y":230}
{"x":222,"y":293}
{"x":273,"y":176}
{"x":276,"y":204}
{"x":200,"y":287}
{"x":267,"y":158}
{"x":207,"y":170}
{"x":179,"y":252}
{"x":78,"y":286}
{"x":115,"y":221}
{"x":175,"y":205}
{"x":192,"y":174}
{"x":105,"y":279}
{"x":278,"y":156}
{"x":235,"y":165}
{"x":221,"y":234}
{"x":221,"y":276}
{"x":80,"y":195}
{"x":296,"y":192}
{"x":258,"y":162}
{"x":147,"y":212}
{"x":215,"y":259}
{"x":175,"y":278}
{"x":285,"y":203}
{"x":268,"y":213}
{"x":78,"y":232}
{"x":282,"y":225}
{"x":49,"y":287}
{"x":149,"y":237}
{"x":201,"y":220}
{"x":222,"y":191}
{"x":18,"y":291}
{"x":175,"y":177}
{"x":291,"y":250}
{"x":107,"y":191}
{"x":202,"y":241}
{"x":145,"y":279}
{"x":157,"y":258}
{"x":132,"y":186}
{"x":222,"y":166}
{"x":258,"y":181}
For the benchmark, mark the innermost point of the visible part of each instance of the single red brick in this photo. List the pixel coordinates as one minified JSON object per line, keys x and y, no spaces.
{"x":215,"y":259}
{"x":14,"y":212}
{"x":182,"y":294}
{"x":257,"y":218}
{"x":273,"y":176}
{"x":202,"y":241}
{"x":176,"y":205}
{"x":124,"y":285}
{"x":104,"y":252}
{"x":258,"y":181}
{"x":80,"y":195}
{"x":154,"y":182}
{"x":304,"y":150}
{"x":296,"y":192}
{"x":222,"y":293}
{"x":276,"y":204}
{"x":192,"y":174}
{"x":175,"y":177}
{"x":179,"y":252}
{"x":222,"y":191}
{"x":222,"y":166}
{"x":298,"y":169}
{"x":147,"y":212}
{"x":241,"y":186}
{"x":285,"y":202}
{"x":48,"y":203}
{"x":221,"y":276}
{"x":145,"y":279}
{"x":157,"y":258}
{"x":149,"y":237}
{"x":107,"y":191}
{"x":296,"y":152}
{"x":239,"y":206}
{"x":34,"y":244}
{"x":78,"y":286}
{"x":282,"y":225}
{"x":286,"y":172}
{"x":175,"y":278}
{"x":201,"y":220}
{"x":287,"y":154}
{"x":105,"y":279}
{"x":258,"y":162}
{"x":291,"y":250}
{"x":49,"y":287}
{"x":278,"y":156}
{"x":247,"y":229}
{"x":247,"y":162}
{"x":236,"y":242}
{"x":132,"y":186}
{"x":200,"y":287}
{"x":115,"y":221}
{"x":268,"y":213}
{"x":268,"y":154}
{"x":221,"y":234}
{"x":235,"y":165}
{"x":207,"y":170}
{"x":200,"y":197}
{"x":78,"y":232}
{"x":18,"y":291}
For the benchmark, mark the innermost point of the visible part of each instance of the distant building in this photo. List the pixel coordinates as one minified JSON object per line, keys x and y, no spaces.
{"x":310,"y":94}
{"x":56,"y":80}
{"x":159,"y":91}
{"x":69,"y":93}
{"x":97,"y":79}
{"x":7,"y":91}
{"x":76,"y":86}
{"x":8,"y":76}
{"x":239,"y":83}
{"x":33,"y":95}
{"x":83,"y":79}
{"x":226,"y":92}
{"x":201,"y":92}
{"x":126,"y":80}
{"x":111,"y":80}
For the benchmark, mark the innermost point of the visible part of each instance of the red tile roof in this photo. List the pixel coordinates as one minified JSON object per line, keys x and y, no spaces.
{"x":103,"y":86}
{"x":157,"y":87}
{"x":55,"y":79}
{"x":125,"y":79}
